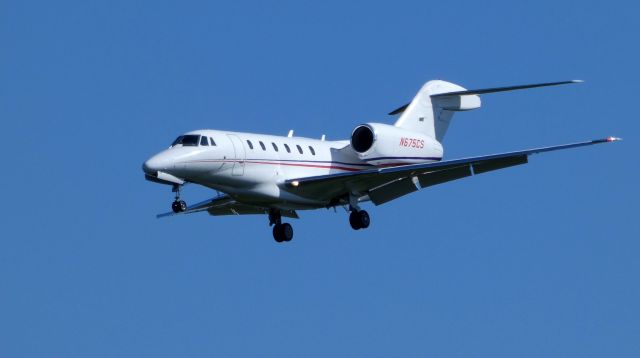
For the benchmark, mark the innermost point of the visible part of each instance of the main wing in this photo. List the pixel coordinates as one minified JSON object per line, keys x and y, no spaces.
{"x":226,"y":205}
{"x":385,"y":184}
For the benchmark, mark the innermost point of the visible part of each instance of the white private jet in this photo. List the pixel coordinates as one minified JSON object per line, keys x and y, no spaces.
{"x":275,"y":175}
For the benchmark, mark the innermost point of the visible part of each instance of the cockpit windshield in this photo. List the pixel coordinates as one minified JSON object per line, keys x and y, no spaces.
{"x":190,"y":140}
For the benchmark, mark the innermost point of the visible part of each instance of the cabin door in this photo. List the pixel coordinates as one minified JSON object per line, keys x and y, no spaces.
{"x":240,"y":155}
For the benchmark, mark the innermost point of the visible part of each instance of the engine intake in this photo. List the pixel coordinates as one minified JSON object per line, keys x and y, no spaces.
{"x":383,"y":144}
{"x":362,"y":139}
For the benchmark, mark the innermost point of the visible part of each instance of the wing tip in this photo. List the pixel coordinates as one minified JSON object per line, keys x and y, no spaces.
{"x":607,"y":140}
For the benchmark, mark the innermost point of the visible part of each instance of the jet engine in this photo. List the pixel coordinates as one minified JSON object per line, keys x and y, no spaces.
{"x":387,"y":145}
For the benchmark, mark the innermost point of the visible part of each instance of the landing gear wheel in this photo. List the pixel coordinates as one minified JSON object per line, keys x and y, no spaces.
{"x":282,"y":232}
{"x":364,"y":219}
{"x":359,"y":219}
{"x":277,"y":233}
{"x":287,"y":231}
{"x":354,"y":220}
{"x":178,"y":206}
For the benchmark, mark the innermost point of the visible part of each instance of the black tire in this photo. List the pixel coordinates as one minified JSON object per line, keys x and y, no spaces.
{"x":182,"y":205}
{"x":287,"y":232}
{"x":363,"y":216}
{"x":175,"y":207}
{"x":277,"y":233}
{"x":354,"y":220}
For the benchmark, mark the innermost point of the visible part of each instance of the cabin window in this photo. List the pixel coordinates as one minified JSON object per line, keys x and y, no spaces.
{"x":249,"y":144}
{"x":313,"y":152}
{"x":287,"y":148}
{"x":204,"y":141}
{"x":213,"y":142}
{"x":299,"y":148}
{"x":275,"y":147}
{"x":262,"y":145}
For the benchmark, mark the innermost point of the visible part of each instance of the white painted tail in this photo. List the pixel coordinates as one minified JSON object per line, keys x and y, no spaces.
{"x":432,"y":108}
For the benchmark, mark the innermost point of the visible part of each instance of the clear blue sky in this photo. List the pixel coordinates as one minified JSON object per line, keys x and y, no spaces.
{"x":537,"y":260}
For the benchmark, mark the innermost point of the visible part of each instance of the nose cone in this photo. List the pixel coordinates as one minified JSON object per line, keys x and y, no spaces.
{"x":154,"y":164}
{"x":149,"y":167}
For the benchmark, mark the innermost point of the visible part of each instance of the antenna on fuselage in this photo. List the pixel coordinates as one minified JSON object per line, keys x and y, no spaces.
{"x":323,"y":137}
{"x":290,"y":133}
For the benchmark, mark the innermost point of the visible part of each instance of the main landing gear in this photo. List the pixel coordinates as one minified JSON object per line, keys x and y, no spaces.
{"x":359,"y":219}
{"x":178,"y":205}
{"x":282,"y":232}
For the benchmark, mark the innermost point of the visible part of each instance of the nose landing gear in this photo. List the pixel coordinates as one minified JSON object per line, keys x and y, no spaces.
{"x":282,"y":232}
{"x":178,"y":205}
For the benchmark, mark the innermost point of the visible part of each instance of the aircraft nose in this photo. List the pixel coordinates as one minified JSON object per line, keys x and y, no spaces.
{"x":152,"y":165}
{"x":148,"y":167}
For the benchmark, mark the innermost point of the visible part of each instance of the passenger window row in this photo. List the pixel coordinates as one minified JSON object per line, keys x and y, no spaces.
{"x":193,"y":140}
{"x":286,"y":147}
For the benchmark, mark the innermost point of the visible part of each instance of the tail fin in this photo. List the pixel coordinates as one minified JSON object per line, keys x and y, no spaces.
{"x":431,"y":110}
{"x":431,"y":115}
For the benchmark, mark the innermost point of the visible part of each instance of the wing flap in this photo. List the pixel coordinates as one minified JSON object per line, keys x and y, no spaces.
{"x":392,"y":191}
{"x":501,"y":163}
{"x":408,"y":185}
{"x":443,"y":176}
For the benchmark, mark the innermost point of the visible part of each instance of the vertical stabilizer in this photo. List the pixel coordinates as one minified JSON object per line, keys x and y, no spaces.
{"x":431,"y":109}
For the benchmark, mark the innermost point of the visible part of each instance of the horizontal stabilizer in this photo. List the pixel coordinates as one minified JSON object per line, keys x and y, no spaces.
{"x":401,"y":109}
{"x":503,"y":89}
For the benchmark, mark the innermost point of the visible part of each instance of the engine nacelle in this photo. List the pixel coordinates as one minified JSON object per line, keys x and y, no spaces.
{"x":383,"y":144}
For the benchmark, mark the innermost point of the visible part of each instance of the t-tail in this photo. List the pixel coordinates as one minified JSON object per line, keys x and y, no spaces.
{"x":431,"y":110}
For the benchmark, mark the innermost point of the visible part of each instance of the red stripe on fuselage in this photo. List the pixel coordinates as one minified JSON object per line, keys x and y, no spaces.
{"x":279,"y":163}
{"x":307,"y":165}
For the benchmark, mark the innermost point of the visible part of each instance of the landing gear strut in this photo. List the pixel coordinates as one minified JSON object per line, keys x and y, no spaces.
{"x":282,"y":232}
{"x":178,"y":205}
{"x":359,"y":219}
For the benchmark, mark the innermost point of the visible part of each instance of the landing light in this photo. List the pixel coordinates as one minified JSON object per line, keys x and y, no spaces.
{"x":295,"y":183}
